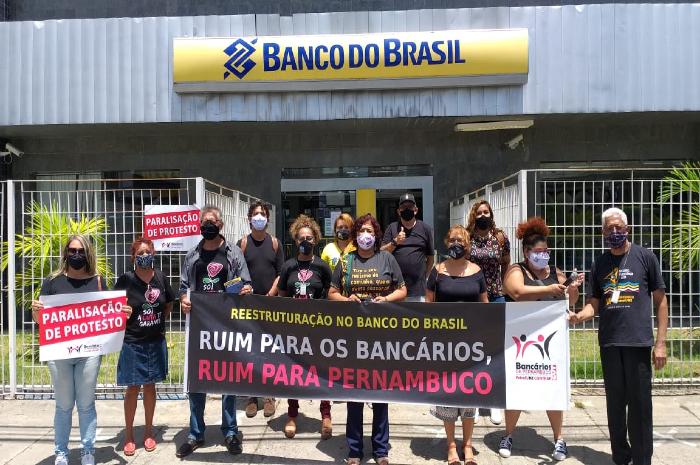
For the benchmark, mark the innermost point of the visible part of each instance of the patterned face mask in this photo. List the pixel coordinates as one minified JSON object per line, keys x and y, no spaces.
{"x":144,"y":261}
{"x":365,"y":241}
{"x":539,"y":260}
{"x":616,"y":239}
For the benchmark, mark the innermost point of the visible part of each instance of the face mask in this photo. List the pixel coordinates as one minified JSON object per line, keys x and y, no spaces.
{"x":483,"y":222}
{"x":259,"y":221}
{"x":407,"y":215}
{"x":539,"y":260}
{"x":76,"y":261}
{"x":365,"y":241}
{"x":209,"y":230}
{"x":343,"y":234}
{"x":144,"y":261}
{"x":457,"y":250}
{"x":305,"y":247}
{"x":616,"y":240}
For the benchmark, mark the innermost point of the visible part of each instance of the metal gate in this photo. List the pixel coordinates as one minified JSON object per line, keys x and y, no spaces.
{"x":120,"y":202}
{"x":571,"y":202}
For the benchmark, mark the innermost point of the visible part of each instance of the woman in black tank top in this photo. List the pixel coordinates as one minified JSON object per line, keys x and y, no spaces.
{"x":531,"y":280}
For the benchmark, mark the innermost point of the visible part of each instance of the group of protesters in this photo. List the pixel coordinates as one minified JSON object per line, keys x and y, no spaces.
{"x":477,"y":269}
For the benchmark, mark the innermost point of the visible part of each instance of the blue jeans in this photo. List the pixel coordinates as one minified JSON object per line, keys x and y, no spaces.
{"x":198,"y":401}
{"x":74,"y":382}
{"x":500,"y":298}
{"x":380,"y":429}
{"x":415,"y":298}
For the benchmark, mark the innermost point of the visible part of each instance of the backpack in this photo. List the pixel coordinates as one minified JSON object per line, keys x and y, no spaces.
{"x":275,"y":243}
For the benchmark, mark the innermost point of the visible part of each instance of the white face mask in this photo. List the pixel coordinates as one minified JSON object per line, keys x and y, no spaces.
{"x":259,"y":221}
{"x":365,"y":241}
{"x":539,"y":260}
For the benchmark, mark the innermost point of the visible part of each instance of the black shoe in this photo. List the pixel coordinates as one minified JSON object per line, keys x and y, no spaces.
{"x":233,"y":444}
{"x":188,"y":447}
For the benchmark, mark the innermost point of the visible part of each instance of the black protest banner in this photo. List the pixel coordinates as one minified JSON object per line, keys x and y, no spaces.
{"x":442,"y":353}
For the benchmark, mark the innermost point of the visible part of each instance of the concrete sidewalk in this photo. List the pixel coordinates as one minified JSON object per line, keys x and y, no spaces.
{"x":26,"y":434}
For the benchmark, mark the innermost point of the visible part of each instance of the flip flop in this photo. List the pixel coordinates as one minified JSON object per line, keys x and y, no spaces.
{"x":149,"y":444}
{"x":129,"y":448}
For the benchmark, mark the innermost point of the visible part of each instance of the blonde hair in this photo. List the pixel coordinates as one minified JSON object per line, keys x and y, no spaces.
{"x":90,"y":259}
{"x":304,"y":221}
{"x":465,"y":236}
{"x":346,"y":218}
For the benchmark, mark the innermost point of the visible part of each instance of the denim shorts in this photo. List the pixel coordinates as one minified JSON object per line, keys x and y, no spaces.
{"x":142,"y":363}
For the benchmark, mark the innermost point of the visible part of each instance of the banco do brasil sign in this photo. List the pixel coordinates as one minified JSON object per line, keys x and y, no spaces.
{"x":338,"y":62}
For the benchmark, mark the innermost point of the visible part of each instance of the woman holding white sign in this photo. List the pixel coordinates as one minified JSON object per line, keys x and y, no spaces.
{"x":74,"y":379}
{"x":531,"y":280}
{"x":457,"y":280}
{"x":386,"y":284}
{"x":143,"y":360}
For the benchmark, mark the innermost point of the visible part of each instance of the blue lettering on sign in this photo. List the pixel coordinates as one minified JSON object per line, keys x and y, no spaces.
{"x":438,"y":52}
{"x":355,"y":60}
{"x":372,"y":60}
{"x":317,"y":57}
{"x":392,"y":55}
{"x":457,"y":54}
{"x":306,"y":58}
{"x":288,"y":59}
{"x":337,"y":57}
{"x":271,"y":52}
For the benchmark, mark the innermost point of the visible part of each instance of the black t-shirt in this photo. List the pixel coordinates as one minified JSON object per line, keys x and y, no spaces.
{"x":147,"y":322}
{"x":62,"y":284}
{"x":456,"y":288}
{"x":263,"y":264}
{"x":305,"y":279}
{"x":370,"y":277}
{"x":211,"y":270}
{"x":411,"y":254}
{"x":627,"y":322}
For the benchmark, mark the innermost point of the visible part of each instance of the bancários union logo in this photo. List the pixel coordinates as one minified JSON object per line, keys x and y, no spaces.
{"x":541,"y":343}
{"x":239,"y":63}
{"x":75,"y":349}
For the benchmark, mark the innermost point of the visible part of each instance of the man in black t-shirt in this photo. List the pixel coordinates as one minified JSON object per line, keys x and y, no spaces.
{"x":265,"y":258}
{"x":624,"y":282}
{"x":411,"y":242}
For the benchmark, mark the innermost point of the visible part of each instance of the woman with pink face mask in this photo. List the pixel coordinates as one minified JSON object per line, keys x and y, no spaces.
{"x":531,"y":280}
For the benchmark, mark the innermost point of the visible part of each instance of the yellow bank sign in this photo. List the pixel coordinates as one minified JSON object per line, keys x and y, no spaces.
{"x":351,"y":61}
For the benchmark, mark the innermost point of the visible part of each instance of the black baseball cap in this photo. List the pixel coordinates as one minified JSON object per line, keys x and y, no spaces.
{"x":407,"y":198}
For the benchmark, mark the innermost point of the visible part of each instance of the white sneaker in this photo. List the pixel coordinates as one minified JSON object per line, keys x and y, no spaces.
{"x":496,"y":416}
{"x":61,"y":460}
{"x":476,"y":416}
{"x":87,"y":459}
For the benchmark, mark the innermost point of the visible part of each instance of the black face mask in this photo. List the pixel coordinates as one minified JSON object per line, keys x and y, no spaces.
{"x":343,"y":234}
{"x":483,"y":222}
{"x":305,"y":247}
{"x":457,"y":250}
{"x":76,"y":261}
{"x":209,"y":230}
{"x":407,"y":214}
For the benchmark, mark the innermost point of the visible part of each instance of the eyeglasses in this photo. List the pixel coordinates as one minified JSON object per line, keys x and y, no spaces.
{"x":306,"y":238}
{"x":73,"y":251}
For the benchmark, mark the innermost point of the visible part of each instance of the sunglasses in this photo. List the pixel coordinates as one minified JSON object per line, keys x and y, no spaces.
{"x":73,"y":251}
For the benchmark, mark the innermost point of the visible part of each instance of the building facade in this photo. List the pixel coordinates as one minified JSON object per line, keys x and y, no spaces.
{"x":89,"y":88}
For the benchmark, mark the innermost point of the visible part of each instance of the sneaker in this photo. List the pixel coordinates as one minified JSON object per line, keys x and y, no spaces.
{"x":560,"y":450}
{"x":268,"y":406}
{"x":476,"y":416}
{"x":61,"y":460}
{"x":188,"y":447}
{"x":496,"y":416}
{"x":233,"y":444}
{"x":87,"y":459}
{"x":505,"y":446}
{"x":252,"y":408}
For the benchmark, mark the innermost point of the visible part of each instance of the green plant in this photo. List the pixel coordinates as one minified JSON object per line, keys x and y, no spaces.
{"x":682,"y":248}
{"x":42,"y":243}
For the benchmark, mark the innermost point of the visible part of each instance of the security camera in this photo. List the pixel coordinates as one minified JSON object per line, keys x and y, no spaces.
{"x":13,"y":150}
{"x":513,"y":143}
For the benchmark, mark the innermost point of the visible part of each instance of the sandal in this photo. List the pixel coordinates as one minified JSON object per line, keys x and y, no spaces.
{"x":129,"y":448}
{"x":353,"y":461}
{"x":454,"y":460}
{"x":290,"y":428}
{"x":382,"y":460}
{"x":468,"y":459}
{"x":326,"y":428}
{"x":149,"y":444}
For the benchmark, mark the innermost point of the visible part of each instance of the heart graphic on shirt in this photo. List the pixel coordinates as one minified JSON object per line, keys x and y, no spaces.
{"x":152,"y":294}
{"x":304,"y":275}
{"x":214,"y":268}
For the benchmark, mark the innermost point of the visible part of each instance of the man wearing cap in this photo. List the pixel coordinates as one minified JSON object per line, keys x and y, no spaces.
{"x":411,"y":242}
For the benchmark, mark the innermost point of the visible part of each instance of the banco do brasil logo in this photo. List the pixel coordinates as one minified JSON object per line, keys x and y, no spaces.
{"x":239,"y":63}
{"x":541,"y":343}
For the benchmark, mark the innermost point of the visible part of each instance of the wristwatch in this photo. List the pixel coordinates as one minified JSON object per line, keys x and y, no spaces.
{"x":393,"y":242}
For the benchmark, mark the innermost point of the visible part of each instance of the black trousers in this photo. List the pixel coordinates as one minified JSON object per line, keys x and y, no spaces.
{"x":627,"y":375}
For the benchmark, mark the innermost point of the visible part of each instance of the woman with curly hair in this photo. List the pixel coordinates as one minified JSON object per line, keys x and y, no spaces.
{"x":531,"y":280}
{"x":363,"y":258}
{"x":305,"y":276}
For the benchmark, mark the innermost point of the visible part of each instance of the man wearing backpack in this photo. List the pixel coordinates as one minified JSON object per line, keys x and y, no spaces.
{"x":264,"y":258}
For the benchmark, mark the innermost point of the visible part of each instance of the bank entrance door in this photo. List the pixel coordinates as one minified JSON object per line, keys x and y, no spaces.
{"x":323,"y":199}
